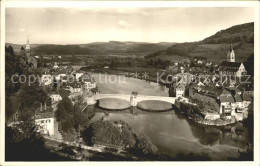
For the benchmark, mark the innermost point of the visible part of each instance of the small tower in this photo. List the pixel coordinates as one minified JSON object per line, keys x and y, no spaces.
{"x":182,"y":70}
{"x":27,"y":48}
{"x":231,"y":55}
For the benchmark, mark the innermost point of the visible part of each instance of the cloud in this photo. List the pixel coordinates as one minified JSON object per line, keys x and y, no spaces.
{"x":123,"y":24}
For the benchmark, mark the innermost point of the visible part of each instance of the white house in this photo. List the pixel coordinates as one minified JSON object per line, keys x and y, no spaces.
{"x":180,"y":89}
{"x":59,"y":76}
{"x":55,"y":98}
{"x":45,"y":123}
{"x":78,"y":75}
{"x":199,"y":62}
{"x":75,"y":87}
{"x":46,"y":79}
{"x":227,"y":103}
{"x":55,"y":66}
{"x":88,"y":85}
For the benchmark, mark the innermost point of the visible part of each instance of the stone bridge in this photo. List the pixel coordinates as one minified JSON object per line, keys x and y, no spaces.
{"x":134,"y":99}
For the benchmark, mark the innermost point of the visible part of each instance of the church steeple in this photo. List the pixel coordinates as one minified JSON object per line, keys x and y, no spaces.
{"x":231,"y":54}
{"x":27,"y":47}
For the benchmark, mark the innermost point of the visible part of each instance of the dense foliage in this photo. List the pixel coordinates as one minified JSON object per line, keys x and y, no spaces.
{"x":71,"y":118}
{"x":249,"y":65}
{"x":22,"y":143}
{"x":205,"y":103}
{"x":215,"y":46}
{"x":112,"y":47}
{"x":240,"y":33}
{"x":117,"y":133}
{"x":181,"y":49}
{"x":19,"y":94}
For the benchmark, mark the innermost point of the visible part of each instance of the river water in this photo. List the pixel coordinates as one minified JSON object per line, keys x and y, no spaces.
{"x":171,"y":131}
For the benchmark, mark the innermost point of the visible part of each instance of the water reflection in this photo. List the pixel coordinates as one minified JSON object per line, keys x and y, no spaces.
{"x":171,"y":131}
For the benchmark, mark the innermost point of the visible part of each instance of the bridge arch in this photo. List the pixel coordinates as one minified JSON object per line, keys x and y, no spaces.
{"x":112,"y":96}
{"x":135,"y":99}
{"x":157,"y":98}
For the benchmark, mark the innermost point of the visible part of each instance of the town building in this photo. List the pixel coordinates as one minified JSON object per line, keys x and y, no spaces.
{"x":55,"y":98}
{"x":55,"y":66}
{"x":78,"y":75}
{"x":231,"y":55}
{"x":44,"y":120}
{"x":173,"y":68}
{"x":46,"y":79}
{"x":180,"y":90}
{"x":230,"y":67}
{"x":88,"y":82}
{"x":227,"y":103}
{"x":31,"y":60}
{"x":75,"y":87}
{"x":45,"y":123}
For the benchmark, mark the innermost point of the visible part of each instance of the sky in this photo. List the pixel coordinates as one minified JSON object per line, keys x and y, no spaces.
{"x":86,"y":25}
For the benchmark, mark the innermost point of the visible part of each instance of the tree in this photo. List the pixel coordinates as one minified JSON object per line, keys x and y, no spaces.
{"x":23,"y":143}
{"x":29,"y":95}
{"x":10,"y":50}
{"x":64,"y":108}
{"x":249,"y":65}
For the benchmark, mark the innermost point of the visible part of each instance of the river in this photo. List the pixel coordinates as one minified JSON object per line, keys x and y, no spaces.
{"x":171,"y":131}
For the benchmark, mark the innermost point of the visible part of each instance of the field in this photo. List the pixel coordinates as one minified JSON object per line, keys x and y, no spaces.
{"x":218,"y":52}
{"x":213,"y":52}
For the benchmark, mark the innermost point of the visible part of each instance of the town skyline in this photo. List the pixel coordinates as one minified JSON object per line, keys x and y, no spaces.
{"x":80,"y":25}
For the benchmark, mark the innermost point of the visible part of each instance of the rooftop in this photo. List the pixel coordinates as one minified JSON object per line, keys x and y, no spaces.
{"x":247,"y":97}
{"x":43,"y":115}
{"x":231,"y":64}
{"x":238,"y":98}
{"x":224,"y":99}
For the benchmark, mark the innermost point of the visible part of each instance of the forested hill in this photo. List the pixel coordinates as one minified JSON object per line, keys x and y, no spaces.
{"x":215,"y":46}
{"x":111,"y":47}
{"x":239,"y":33}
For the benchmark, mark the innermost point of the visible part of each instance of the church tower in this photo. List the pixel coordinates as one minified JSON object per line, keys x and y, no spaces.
{"x":27,"y":48}
{"x":231,"y":55}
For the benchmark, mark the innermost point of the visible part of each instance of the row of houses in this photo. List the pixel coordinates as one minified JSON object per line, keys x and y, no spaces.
{"x":70,"y":83}
{"x":74,"y":80}
{"x":231,"y":99}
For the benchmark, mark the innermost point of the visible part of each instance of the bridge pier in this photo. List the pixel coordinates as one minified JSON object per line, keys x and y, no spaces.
{"x":133,"y":101}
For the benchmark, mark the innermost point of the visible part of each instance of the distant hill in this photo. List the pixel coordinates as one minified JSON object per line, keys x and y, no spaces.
{"x":111,"y":47}
{"x":214,"y":47}
{"x":239,"y":33}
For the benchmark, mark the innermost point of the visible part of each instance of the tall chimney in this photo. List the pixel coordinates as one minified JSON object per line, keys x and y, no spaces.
{"x":41,"y":107}
{"x":44,"y":106}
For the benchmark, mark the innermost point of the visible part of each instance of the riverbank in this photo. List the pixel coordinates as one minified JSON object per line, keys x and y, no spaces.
{"x":165,"y":129}
{"x":194,"y":114}
{"x":136,"y":73}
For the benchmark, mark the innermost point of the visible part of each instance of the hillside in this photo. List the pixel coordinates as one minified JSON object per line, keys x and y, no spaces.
{"x":111,"y":47}
{"x":214,"y":47}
